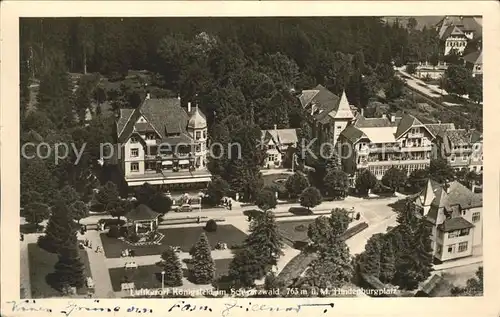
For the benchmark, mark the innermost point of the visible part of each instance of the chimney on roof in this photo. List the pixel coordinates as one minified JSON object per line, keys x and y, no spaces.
{"x":189,"y":106}
{"x":362,"y":112}
{"x":178,"y":97}
{"x":439,"y":121}
{"x":275,"y":127}
{"x":393,"y":117}
{"x":148,"y":96}
{"x":446,"y":187}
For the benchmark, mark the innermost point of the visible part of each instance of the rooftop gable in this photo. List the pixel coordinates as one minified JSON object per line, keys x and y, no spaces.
{"x":407,"y":122}
{"x":165,"y":116}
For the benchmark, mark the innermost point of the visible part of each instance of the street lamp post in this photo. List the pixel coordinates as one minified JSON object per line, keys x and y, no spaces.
{"x":162,"y":283}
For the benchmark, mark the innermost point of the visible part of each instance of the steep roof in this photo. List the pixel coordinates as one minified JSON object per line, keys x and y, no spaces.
{"x":363,"y":122}
{"x":281,"y":136}
{"x":352,"y":133}
{"x":475,"y":136}
{"x":465,"y":23}
{"x":452,"y":30}
{"x":408,"y":121}
{"x":197,"y":119}
{"x":328,"y":106}
{"x":458,"y":137}
{"x":455,"y":223}
{"x":457,"y":194}
{"x":474,"y":57}
{"x":141,"y":212}
{"x":439,"y":128}
{"x":343,"y":110}
{"x":164,"y":116}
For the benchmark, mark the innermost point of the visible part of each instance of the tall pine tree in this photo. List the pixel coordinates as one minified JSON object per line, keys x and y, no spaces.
{"x":387,"y":262}
{"x":265,"y":239}
{"x":172,"y":268}
{"x":370,"y":262}
{"x":69,"y":270}
{"x":203,"y":271}
{"x":60,"y":229}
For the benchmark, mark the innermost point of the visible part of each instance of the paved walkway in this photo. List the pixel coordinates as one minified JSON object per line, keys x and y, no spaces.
{"x":153,"y":259}
{"x":98,"y":267}
{"x":25,"y":282}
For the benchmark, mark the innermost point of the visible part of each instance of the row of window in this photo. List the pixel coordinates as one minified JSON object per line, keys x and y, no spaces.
{"x":152,"y":136}
{"x":134,"y":152}
{"x":456,"y":44}
{"x":462,"y":247}
{"x":151,"y":166}
{"x":459,"y":233}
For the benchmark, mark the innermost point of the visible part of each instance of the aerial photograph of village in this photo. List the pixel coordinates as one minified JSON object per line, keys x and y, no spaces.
{"x":211,"y":157}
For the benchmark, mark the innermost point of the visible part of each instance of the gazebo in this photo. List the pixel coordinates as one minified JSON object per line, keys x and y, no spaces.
{"x":142,"y":216}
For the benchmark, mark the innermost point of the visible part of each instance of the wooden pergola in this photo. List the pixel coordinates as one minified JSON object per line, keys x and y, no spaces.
{"x":142,"y":215}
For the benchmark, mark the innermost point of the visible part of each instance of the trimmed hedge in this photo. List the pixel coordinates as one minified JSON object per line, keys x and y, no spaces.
{"x":354,"y":230}
{"x":300,"y":211}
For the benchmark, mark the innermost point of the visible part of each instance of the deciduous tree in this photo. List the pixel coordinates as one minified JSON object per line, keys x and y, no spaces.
{"x":295,"y":184}
{"x":457,"y":79}
{"x":336,"y":183}
{"x":266,"y":199}
{"x":365,"y":181}
{"x":36,"y":212}
{"x":394,"y":178}
{"x":310,"y":197}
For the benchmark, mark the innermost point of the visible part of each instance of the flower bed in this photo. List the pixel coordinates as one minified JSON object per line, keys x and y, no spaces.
{"x":144,"y":240}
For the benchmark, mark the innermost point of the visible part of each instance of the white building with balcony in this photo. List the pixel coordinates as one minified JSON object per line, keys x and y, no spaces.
{"x":378,"y":144}
{"x":163,"y":144}
{"x":454,"y":213}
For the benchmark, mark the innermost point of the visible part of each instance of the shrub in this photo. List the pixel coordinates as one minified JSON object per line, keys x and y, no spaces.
{"x":252,"y":213}
{"x":109,"y":222}
{"x":358,"y":216}
{"x":211,"y":226}
{"x":114,"y":231}
{"x":123,"y":231}
{"x":300,"y":211}
{"x":133,"y":237}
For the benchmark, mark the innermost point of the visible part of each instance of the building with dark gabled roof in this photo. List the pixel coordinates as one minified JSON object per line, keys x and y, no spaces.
{"x":456,"y":31}
{"x":455,"y":214}
{"x":330,"y":113}
{"x":162,"y":143}
{"x":474,"y":62}
{"x":377,"y":144}
{"x":463,"y":149}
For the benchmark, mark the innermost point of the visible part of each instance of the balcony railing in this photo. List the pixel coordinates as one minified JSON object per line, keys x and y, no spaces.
{"x":364,"y":164}
{"x":417,"y":148}
{"x":384,"y":149}
{"x":415,"y":135}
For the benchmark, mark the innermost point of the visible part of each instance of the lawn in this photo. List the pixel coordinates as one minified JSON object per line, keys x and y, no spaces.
{"x":42,"y":263}
{"x":185,"y":238}
{"x":271,"y":178}
{"x":289,"y":230}
{"x":149,"y":276}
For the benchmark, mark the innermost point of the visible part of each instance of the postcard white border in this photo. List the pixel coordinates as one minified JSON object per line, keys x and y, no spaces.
{"x":488,"y":305}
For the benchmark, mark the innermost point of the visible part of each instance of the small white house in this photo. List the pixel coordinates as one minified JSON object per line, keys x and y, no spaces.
{"x":276,"y":142}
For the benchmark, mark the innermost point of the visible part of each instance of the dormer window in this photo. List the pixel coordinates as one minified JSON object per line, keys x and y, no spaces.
{"x":134,"y":139}
{"x":150,"y":136}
